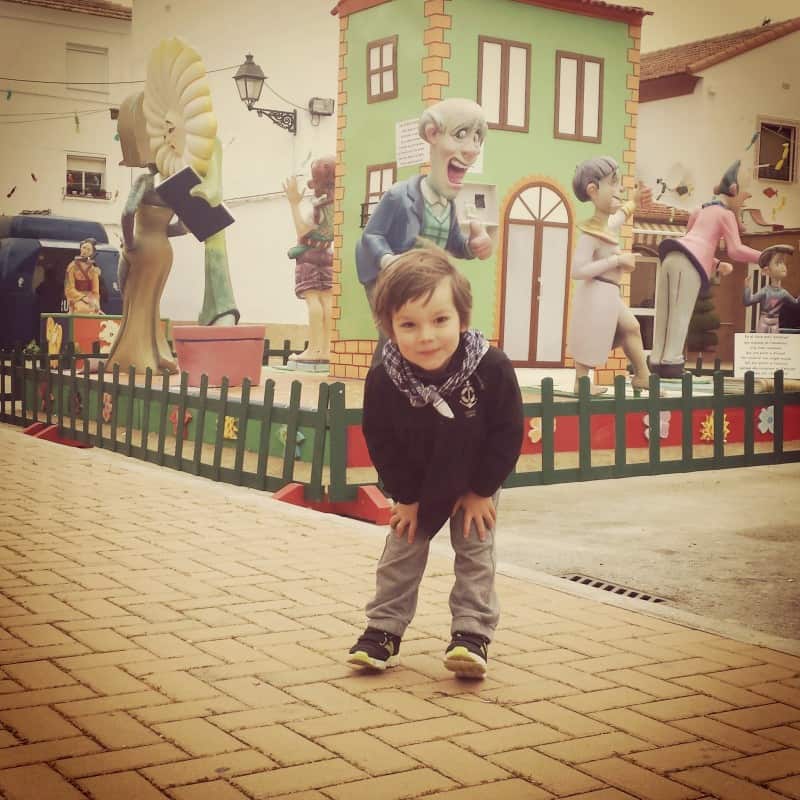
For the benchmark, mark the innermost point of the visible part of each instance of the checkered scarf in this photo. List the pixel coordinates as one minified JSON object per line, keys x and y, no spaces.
{"x":420,"y":394}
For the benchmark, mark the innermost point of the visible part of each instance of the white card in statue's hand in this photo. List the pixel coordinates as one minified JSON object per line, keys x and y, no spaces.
{"x":195,"y":213}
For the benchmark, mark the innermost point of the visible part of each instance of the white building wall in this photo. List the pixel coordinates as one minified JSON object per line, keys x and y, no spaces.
{"x":33,"y":46}
{"x":699,"y":135}
{"x":296,"y":44}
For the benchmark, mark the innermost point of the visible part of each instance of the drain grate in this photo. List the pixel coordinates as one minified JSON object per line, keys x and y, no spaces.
{"x":614,"y":588}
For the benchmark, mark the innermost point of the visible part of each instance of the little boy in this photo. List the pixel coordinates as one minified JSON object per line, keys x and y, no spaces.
{"x":773,"y":297}
{"x":443,"y":424}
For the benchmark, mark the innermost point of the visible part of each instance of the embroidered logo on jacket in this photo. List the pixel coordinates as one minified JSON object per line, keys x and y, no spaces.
{"x":468,"y":398}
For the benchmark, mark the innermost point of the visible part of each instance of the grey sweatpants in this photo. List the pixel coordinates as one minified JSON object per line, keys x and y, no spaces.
{"x":473,"y":600}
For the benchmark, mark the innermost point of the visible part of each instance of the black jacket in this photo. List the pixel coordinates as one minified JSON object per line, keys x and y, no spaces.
{"x":424,"y":457}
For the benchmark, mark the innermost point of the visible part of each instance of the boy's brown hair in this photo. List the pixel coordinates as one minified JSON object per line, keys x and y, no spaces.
{"x":416,"y":274}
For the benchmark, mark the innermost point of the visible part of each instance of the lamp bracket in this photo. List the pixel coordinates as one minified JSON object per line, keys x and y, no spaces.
{"x":284,"y":119}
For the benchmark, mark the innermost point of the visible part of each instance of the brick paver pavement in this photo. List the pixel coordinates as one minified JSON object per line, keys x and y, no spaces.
{"x":163,"y":636}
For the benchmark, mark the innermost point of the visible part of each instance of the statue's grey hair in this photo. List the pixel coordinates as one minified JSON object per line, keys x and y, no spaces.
{"x":593,"y":170}
{"x":440,"y":113}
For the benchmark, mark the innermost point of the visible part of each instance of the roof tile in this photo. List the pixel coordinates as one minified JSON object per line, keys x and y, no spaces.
{"x":97,"y":8}
{"x":695,"y":56}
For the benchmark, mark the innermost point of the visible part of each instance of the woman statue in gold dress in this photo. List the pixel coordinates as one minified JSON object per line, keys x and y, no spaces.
{"x":146,"y":256}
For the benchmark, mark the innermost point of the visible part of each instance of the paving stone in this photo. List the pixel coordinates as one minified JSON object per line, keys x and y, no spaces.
{"x":284,"y":745}
{"x":36,"y":782}
{"x":642,"y":783}
{"x":723,"y":786}
{"x":546,"y":772}
{"x":331,"y":773}
{"x":38,"y":724}
{"x":121,"y":785}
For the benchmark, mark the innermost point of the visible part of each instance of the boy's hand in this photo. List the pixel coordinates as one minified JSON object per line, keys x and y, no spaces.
{"x":724,"y":268}
{"x":479,"y":510}
{"x":404,"y":520}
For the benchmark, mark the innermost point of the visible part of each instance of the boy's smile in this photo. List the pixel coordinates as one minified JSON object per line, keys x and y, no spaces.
{"x":427,"y":330}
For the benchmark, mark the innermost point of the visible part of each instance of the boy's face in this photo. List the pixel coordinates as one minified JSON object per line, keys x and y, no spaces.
{"x":453,"y":151}
{"x":86,"y":249}
{"x":427,"y":330}
{"x":777,"y":266}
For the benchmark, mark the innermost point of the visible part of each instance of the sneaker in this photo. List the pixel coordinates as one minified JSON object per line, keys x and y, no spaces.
{"x":375,"y":649}
{"x":467,"y":654}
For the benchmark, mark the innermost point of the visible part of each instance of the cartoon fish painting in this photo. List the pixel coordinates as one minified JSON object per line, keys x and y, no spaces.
{"x":770,"y":192}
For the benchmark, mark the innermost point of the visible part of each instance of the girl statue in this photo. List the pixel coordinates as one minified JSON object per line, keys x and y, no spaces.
{"x":82,"y":281}
{"x":599,"y":320}
{"x":313,"y":255}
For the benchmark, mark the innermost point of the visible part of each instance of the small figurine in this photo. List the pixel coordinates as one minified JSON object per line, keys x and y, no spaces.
{"x":772,"y":296}
{"x":423,"y":206}
{"x":688,"y":264}
{"x":82,"y":281}
{"x":599,"y":319}
{"x":313,"y":256}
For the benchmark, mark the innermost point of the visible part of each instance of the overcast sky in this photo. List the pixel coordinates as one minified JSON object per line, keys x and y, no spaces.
{"x":679,"y":21}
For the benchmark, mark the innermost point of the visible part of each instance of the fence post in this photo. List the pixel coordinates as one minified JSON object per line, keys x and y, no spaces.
{"x":266,"y":425}
{"x":131,"y":395}
{"x":654,"y":421}
{"x":548,"y":434}
{"x":147,"y":402}
{"x":241,"y":436}
{"x":584,"y":429}
{"x":749,"y":421}
{"x":200,"y":425}
{"x":163,"y":414}
{"x":101,"y":374}
{"x":620,"y":426}
{"x":337,"y":489}
{"x":180,"y":414}
{"x":223,"y":409}
{"x":687,"y":418}
{"x":719,"y":419}
{"x":293,"y":413}
{"x":778,"y":404}
{"x":87,"y":397}
{"x":314,"y":489}
{"x":114,"y":406}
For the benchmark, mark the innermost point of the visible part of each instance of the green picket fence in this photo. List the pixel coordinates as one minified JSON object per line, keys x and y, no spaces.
{"x":251,"y":440}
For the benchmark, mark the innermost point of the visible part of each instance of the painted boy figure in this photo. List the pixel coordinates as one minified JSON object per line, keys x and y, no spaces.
{"x":773,"y":297}
{"x":423,"y":206}
{"x":443,"y":424}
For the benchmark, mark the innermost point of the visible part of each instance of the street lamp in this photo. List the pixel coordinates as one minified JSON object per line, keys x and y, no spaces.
{"x":250,"y":81}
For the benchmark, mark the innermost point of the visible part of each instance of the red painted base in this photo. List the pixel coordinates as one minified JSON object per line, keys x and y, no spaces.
{"x":369,"y":505}
{"x":49,"y":433}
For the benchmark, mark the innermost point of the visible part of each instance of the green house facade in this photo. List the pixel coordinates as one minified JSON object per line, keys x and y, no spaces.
{"x":558,"y":80}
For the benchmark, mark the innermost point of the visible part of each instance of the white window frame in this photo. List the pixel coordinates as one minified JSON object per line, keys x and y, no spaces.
{"x":92,"y":74}
{"x":505,"y":81}
{"x":378,"y":47}
{"x":80,"y":164}
{"x":564,"y":98}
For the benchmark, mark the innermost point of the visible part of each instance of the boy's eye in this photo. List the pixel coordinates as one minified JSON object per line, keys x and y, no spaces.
{"x":406,"y":324}
{"x":441,"y":320}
